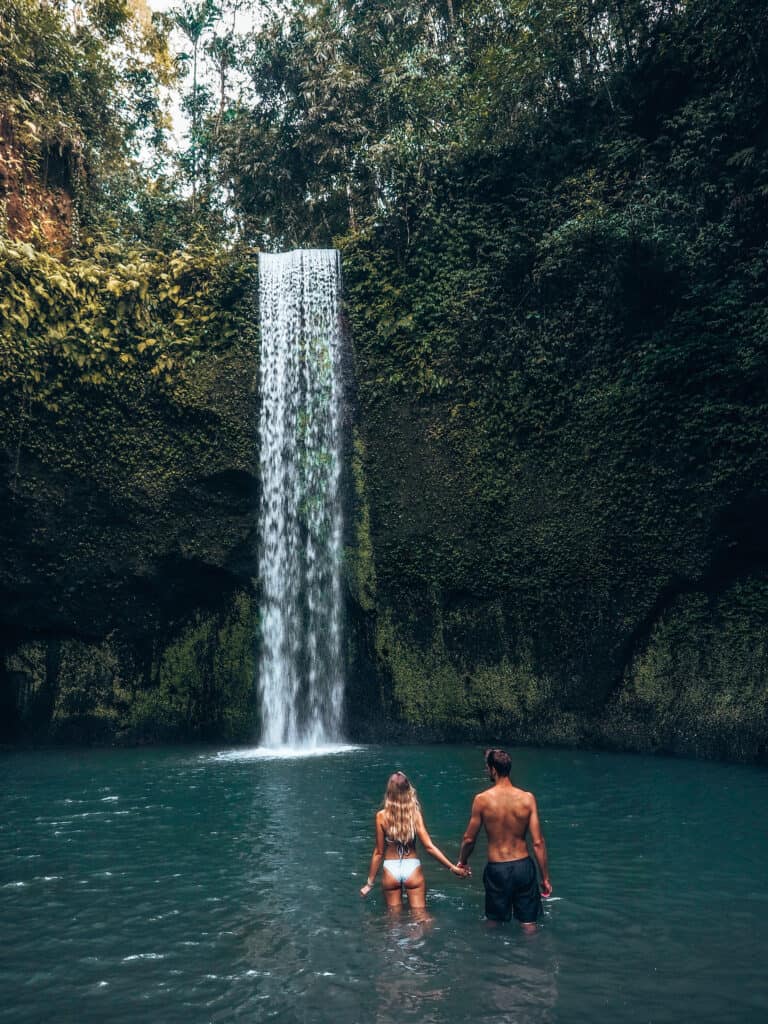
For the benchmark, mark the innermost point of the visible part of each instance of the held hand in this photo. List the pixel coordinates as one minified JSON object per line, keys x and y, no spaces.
{"x":462,"y":870}
{"x":546,"y":888}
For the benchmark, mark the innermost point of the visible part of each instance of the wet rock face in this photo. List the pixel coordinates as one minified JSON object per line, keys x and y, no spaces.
{"x":129,"y":529}
{"x":79,"y":563}
{"x":561,"y":532}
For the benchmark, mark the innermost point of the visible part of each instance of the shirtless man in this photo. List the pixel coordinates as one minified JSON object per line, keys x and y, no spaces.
{"x":508,"y":814}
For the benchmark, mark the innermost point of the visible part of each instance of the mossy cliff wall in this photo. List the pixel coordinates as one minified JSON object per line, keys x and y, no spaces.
{"x":562,"y":355}
{"x":561,"y":440}
{"x":129,"y":481}
{"x":557,"y":528}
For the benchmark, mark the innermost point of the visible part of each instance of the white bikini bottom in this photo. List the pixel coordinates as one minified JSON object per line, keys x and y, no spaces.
{"x":402,"y":870}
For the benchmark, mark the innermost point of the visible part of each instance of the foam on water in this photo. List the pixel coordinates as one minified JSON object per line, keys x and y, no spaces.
{"x":285,"y":752}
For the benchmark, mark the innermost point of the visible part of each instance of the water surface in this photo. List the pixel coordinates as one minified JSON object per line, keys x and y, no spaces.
{"x":194,"y":885}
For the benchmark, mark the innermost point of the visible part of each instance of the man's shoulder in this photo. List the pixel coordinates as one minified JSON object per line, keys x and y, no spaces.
{"x":521,"y":798}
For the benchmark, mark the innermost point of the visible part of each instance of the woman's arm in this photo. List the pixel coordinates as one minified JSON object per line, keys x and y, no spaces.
{"x":376,"y":857}
{"x":434,"y":851}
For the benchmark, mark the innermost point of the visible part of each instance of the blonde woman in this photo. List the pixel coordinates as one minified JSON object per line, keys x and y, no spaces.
{"x":398,"y":824}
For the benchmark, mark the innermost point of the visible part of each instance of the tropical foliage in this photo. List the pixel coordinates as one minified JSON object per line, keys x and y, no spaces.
{"x":115,"y":309}
{"x":79,"y":91}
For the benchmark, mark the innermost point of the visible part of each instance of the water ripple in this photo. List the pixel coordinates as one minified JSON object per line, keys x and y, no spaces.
{"x":228,"y":889}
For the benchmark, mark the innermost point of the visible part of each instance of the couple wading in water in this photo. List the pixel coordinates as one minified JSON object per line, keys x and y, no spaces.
{"x":508,"y":814}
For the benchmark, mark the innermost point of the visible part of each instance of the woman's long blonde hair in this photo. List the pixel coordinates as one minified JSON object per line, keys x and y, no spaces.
{"x":401,"y":809}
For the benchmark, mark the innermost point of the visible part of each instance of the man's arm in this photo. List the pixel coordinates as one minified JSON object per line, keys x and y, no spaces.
{"x":539,"y":848}
{"x":471,"y":831}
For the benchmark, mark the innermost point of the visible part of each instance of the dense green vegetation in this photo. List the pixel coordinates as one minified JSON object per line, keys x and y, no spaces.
{"x":79,"y":94}
{"x":127,"y":404}
{"x":554,"y":223}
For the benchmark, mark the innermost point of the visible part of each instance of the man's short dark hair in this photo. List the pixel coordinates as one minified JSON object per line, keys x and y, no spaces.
{"x":499,"y":760}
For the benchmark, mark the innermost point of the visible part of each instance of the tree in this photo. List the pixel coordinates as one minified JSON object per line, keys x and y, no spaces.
{"x":80,"y":94}
{"x":194,"y":20}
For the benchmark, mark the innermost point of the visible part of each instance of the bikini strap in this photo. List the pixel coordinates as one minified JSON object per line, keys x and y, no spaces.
{"x":402,"y":848}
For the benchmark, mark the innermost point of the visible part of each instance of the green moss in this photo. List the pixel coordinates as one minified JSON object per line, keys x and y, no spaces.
{"x":73,"y":691}
{"x":359,"y":561}
{"x":549,"y":456}
{"x":115,"y":310}
{"x":201,"y":685}
{"x":425,"y":687}
{"x":700,"y":683}
{"x":234,"y":670}
{"x":204,"y":682}
{"x":127,"y":414}
{"x":440,"y":695}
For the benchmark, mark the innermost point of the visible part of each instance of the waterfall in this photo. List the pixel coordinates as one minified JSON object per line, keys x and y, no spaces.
{"x":300,"y":520}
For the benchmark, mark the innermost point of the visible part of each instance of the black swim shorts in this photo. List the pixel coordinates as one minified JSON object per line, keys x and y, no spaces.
{"x":511,"y":886}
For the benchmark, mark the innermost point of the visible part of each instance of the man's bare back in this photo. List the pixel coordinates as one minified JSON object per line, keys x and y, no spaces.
{"x":509,"y":815}
{"x":505,"y":811}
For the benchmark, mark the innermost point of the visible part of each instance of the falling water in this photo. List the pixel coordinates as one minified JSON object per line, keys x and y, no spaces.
{"x":300,"y":522}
